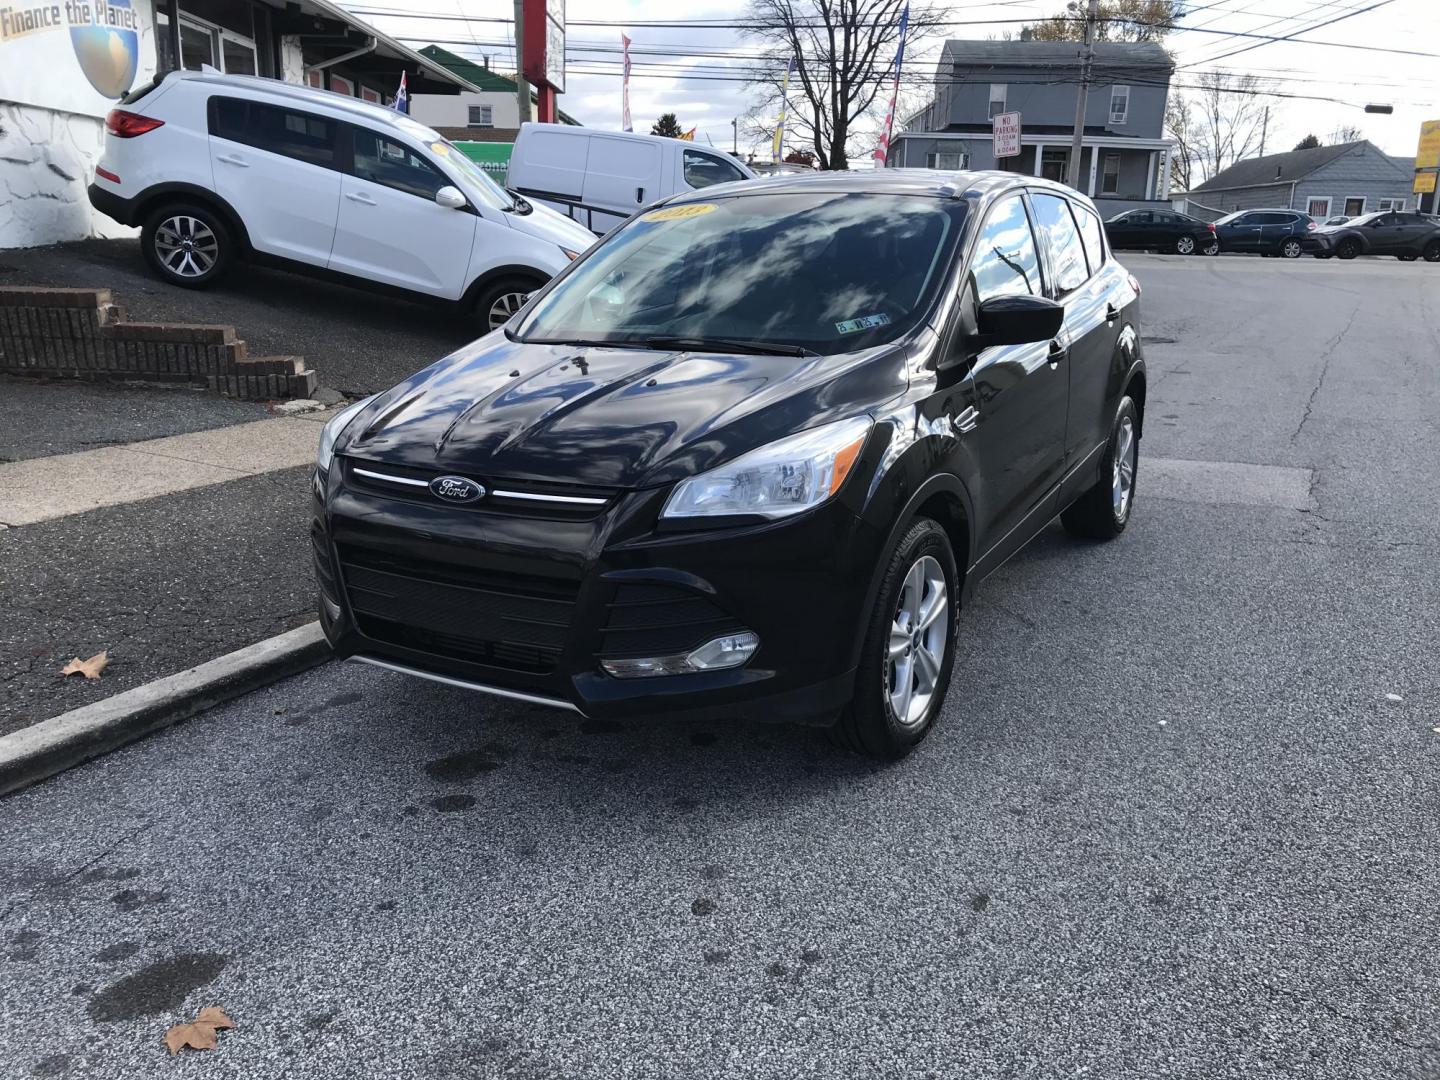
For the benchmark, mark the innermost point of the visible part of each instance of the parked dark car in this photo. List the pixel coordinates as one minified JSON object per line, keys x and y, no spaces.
{"x":1269,"y":232}
{"x":1162,"y":230}
{"x":745,"y":457}
{"x":1387,"y":232}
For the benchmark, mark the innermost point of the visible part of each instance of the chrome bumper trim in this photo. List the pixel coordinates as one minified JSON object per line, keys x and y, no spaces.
{"x":465,"y":684}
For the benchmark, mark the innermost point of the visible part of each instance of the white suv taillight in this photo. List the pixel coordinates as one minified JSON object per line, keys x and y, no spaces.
{"x":126,"y":125}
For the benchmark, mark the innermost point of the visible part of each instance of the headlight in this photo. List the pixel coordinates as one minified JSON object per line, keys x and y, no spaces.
{"x":332,"y":429}
{"x":777,"y":480}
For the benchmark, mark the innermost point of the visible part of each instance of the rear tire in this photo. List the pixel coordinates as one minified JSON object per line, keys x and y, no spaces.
{"x":1347,"y":249}
{"x":1212,"y":247}
{"x":498,"y":301}
{"x":1290,"y":248}
{"x":1432,"y":251}
{"x":1184,"y":245}
{"x":909,"y":649}
{"x":1104,"y":510}
{"x":187,"y":244}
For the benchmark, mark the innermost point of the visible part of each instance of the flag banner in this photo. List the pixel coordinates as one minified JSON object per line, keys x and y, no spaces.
{"x":777,"y":147}
{"x":882,"y":152}
{"x":402,"y":96}
{"x":625,"y":87}
{"x":689,"y":136}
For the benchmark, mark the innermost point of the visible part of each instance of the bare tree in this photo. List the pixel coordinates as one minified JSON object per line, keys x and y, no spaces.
{"x":1346,"y":134}
{"x":846,"y":54}
{"x":1180,"y":126}
{"x":1120,"y":20}
{"x":1229,"y":120}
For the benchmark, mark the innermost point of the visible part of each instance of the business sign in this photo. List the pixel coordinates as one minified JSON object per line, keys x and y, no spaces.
{"x":544,"y":62}
{"x":1006,"y":127}
{"x":76,"y":56}
{"x":1427,"y":154}
{"x":1424,"y":183}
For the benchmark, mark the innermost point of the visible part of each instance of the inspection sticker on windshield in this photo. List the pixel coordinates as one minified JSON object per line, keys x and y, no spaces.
{"x":677,"y":213}
{"x":869,"y":322}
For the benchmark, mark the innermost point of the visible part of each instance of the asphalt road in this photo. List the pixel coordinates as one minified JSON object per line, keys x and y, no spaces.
{"x":1179,"y":820}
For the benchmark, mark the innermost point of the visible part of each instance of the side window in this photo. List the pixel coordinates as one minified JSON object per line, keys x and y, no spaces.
{"x":1006,"y":262}
{"x":297,"y":135}
{"x":1052,"y":213}
{"x":1093,"y":235}
{"x":1141,"y":217}
{"x":392,"y":165}
{"x":228,"y":117}
{"x":702,"y":170}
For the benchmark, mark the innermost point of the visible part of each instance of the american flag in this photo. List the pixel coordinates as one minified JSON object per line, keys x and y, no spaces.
{"x":625,"y":88}
{"x":883,"y":150}
{"x":402,"y":97}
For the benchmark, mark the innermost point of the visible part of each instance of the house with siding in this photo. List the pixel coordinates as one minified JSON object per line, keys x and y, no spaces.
{"x":1124,"y":157}
{"x":1348,"y":178}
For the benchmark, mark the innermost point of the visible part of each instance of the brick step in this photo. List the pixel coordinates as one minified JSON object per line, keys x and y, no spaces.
{"x":270,"y":365}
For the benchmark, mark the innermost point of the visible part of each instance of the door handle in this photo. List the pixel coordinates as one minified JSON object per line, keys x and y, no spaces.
{"x":229,"y":160}
{"x":360,"y":197}
{"x":1111,"y":314}
{"x":639,"y":194}
{"x":1057,"y":353}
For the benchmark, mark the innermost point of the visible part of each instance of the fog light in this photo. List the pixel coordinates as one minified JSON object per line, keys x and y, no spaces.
{"x":729,"y":651}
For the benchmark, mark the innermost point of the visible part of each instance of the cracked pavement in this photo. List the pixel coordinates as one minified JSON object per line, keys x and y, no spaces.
{"x":1178,"y":820}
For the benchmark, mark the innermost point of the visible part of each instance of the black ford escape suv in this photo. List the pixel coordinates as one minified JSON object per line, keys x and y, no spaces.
{"x":747,"y":456}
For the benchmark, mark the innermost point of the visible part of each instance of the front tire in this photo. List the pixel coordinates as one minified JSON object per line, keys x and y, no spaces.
{"x":1184,"y":245}
{"x":500,"y":300}
{"x":1347,"y":249}
{"x":187,"y":245}
{"x":909,"y":648}
{"x":1291,"y":248}
{"x":1104,"y":510}
{"x":1432,"y":251}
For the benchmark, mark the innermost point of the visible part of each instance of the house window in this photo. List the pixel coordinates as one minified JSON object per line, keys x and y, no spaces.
{"x":1119,"y":104}
{"x":1053,"y":164}
{"x":1392,"y":204}
{"x":1318,"y":208}
{"x":315,"y":79}
{"x":1355,"y":206}
{"x":1110,"y":178}
{"x":342,"y":86}
{"x":951,"y":162}
{"x":482,"y":116}
{"x":370,"y":95}
{"x":997,"y":98}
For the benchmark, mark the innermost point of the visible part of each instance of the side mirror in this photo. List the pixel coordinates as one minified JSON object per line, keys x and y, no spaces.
{"x":1017,"y":320}
{"x":450,"y":198}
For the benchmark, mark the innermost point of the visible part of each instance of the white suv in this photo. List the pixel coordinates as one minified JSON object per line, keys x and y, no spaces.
{"x":216,"y":168}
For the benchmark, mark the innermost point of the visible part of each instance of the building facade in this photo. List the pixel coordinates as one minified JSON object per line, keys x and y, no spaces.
{"x":488,"y":113}
{"x":58,"y":81}
{"x":1347,"y":180}
{"x":1124,"y":157}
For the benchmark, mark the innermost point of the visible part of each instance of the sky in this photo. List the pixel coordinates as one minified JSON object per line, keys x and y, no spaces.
{"x":687,"y":79}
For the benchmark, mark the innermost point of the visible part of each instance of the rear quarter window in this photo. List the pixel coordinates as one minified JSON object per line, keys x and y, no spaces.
{"x":1067,"y":250}
{"x":1093,"y":236}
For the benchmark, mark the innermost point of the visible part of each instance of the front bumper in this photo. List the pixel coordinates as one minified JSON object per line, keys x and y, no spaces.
{"x":525,"y":603}
{"x":1313,"y":243}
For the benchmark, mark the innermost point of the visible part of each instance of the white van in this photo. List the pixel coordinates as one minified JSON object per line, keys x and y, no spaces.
{"x":600,"y":178}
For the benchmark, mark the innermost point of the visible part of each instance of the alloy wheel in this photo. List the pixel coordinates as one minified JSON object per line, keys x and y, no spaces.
{"x":918,"y":636}
{"x":1290,"y":249}
{"x":1185,"y":245}
{"x":506,"y":305}
{"x":186,"y":246}
{"x":1122,"y":482}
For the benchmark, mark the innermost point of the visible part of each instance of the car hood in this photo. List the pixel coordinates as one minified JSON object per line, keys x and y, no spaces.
{"x":548,"y":224}
{"x":609,"y":417}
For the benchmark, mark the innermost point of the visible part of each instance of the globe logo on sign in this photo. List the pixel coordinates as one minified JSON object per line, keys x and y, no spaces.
{"x":109,"y":48}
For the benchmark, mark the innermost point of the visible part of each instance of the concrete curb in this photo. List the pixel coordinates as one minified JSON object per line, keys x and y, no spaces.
{"x":51,"y":746}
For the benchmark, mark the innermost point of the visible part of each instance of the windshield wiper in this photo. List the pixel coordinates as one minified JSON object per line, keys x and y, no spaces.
{"x":730,"y":345}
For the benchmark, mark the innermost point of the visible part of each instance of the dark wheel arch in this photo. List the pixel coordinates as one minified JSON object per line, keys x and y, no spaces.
{"x":944,"y":498}
{"x":152,"y":198}
{"x":490,"y":277}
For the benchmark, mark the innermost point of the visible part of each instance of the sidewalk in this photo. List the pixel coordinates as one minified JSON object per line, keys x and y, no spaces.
{"x":166,"y":552}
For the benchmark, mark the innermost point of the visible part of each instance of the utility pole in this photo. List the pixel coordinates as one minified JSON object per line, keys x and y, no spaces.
{"x":1082,"y":97}
{"x":522,"y":88}
{"x":1264,"y":130}
{"x":735,"y":136}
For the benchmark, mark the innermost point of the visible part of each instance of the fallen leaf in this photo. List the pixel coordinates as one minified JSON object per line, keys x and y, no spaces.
{"x":89,"y":668}
{"x":199,"y":1034}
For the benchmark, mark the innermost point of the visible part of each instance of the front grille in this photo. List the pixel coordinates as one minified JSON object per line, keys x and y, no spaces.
{"x":661,"y":620}
{"x":517,"y":621}
{"x":409,"y":483}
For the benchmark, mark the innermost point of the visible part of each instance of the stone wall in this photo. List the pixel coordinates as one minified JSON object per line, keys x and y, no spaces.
{"x":81,"y":334}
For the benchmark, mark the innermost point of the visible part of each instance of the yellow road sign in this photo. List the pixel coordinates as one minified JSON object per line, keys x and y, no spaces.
{"x":1424,"y":181}
{"x":1427,"y":154}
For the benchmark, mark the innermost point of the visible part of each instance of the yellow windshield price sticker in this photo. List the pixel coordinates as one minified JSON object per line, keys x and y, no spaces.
{"x":679,"y":213}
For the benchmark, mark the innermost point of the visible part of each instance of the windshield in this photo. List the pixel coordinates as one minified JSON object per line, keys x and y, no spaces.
{"x":485,"y":188}
{"x":826,"y":272}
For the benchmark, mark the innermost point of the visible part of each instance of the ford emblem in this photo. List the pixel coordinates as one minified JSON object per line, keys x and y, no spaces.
{"x":456,"y":489}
